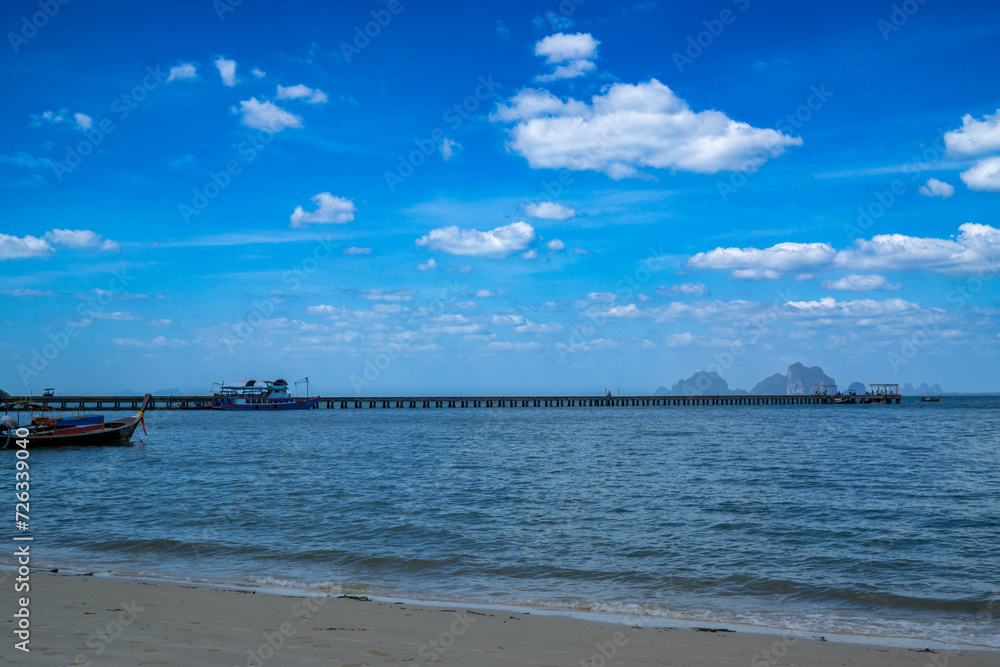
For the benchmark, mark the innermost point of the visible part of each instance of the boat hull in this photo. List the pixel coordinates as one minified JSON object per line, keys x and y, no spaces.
{"x":305,"y":404}
{"x":118,"y":432}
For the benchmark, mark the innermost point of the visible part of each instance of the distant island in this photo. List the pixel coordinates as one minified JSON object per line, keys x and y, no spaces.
{"x":798,"y":379}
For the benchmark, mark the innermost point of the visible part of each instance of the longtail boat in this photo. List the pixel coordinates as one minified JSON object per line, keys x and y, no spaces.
{"x":47,"y":428}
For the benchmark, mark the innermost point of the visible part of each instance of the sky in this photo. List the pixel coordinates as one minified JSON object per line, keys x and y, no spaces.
{"x":551,"y":197}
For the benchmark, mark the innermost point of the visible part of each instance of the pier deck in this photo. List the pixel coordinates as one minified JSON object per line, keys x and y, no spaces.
{"x":344,"y":402}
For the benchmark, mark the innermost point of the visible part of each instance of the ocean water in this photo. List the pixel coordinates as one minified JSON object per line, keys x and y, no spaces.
{"x":871,"y":520}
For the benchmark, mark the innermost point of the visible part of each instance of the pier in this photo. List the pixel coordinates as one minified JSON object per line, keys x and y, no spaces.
{"x":357,"y":402}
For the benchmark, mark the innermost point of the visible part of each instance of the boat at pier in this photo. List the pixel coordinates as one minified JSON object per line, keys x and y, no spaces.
{"x":48,"y":428}
{"x":259,"y":395}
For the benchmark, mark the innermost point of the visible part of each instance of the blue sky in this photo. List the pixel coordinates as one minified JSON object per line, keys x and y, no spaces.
{"x":497,"y":198}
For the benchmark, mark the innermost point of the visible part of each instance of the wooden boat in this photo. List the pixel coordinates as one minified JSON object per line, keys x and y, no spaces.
{"x":260,"y":395}
{"x":47,"y":428}
{"x":930,"y":399}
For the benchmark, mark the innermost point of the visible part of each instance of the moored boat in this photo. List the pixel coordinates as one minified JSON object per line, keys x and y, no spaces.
{"x":260,"y":395}
{"x":46,"y":427}
{"x":930,"y":399}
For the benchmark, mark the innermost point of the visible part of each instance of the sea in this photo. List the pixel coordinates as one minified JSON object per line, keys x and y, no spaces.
{"x":868,"y":521}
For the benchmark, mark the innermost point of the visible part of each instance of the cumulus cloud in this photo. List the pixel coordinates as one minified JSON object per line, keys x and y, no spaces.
{"x":630,"y":126}
{"x":860,"y":283}
{"x":975,"y":137}
{"x":448,"y":147}
{"x":357,"y":251}
{"x":984,"y":176}
{"x":936,"y":188}
{"x":555,"y":244}
{"x":680,"y":339}
{"x":83,"y":121}
{"x":387,"y":295}
{"x":499,"y":242}
{"x":302,"y":92}
{"x":227,"y":70}
{"x":972,"y":251}
{"x":23,"y":247}
{"x":548,"y":210}
{"x":571,"y":55}
{"x":79,"y":238}
{"x":183,"y":71}
{"x":329,"y":209}
{"x":429,"y":265}
{"x":267,"y":116}
{"x":692,"y":289}
{"x":258,"y":72}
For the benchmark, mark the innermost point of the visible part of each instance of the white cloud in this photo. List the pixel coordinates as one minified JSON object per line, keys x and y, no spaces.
{"x":79,"y":238}
{"x":22,"y":247}
{"x":680,"y":339}
{"x":860,"y":283}
{"x":757,"y":275}
{"x":555,"y":244}
{"x":572,"y":55}
{"x":484,"y":293}
{"x":27,"y":160}
{"x":448,"y":147}
{"x":300,"y":91}
{"x":54,"y":117}
{"x":22,"y":292}
{"x":530,"y":254}
{"x":182,"y":71}
{"x":692,"y":289}
{"x":392,"y":295}
{"x":357,"y":251}
{"x":227,"y":70}
{"x":329,"y":209}
{"x":166,"y":322}
{"x":970,"y":252}
{"x":554,"y":21}
{"x":430,"y":265}
{"x":83,"y":121}
{"x":510,"y":320}
{"x":936,"y":188}
{"x":778,"y":258}
{"x":499,"y":242}
{"x":631,"y":126}
{"x":602,"y":297}
{"x":538,"y":327}
{"x":975,"y":137}
{"x":548,"y":210}
{"x":984,"y":176}
{"x":259,"y":73}
{"x":267,"y":116}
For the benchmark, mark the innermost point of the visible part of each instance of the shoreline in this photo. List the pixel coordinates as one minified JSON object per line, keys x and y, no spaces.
{"x":80,"y":619}
{"x":576,"y":618}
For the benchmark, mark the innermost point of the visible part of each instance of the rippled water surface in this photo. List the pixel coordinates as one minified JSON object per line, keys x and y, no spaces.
{"x":865,"y":519}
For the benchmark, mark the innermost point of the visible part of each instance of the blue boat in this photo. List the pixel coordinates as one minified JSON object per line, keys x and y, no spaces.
{"x":259,"y":395}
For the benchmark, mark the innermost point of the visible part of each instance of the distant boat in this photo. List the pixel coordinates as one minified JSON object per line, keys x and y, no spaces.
{"x":930,"y":399}
{"x":259,"y":395}
{"x":48,"y":428}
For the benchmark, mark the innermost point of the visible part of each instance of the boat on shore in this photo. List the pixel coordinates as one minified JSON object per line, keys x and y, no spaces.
{"x":48,"y":428}
{"x":259,"y":395}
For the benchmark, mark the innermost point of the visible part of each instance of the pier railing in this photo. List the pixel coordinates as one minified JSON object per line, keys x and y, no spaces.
{"x":344,"y":402}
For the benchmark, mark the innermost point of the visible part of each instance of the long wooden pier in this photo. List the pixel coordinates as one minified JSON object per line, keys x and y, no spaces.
{"x":345,"y":402}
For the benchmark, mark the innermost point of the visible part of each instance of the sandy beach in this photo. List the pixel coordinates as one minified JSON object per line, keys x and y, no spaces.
{"x":89,"y":620}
